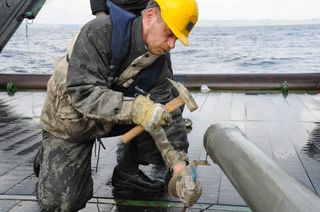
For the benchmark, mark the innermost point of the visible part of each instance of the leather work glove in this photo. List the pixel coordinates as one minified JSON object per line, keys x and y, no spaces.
{"x":148,"y":114}
{"x":181,"y":185}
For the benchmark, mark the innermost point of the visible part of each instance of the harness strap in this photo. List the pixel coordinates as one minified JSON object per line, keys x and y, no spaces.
{"x":121,"y":35}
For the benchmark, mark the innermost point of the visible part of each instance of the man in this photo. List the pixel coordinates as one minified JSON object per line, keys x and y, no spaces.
{"x":98,"y":89}
{"x":99,"y":8}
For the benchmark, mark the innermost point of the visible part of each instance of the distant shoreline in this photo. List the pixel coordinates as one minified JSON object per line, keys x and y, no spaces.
{"x":224,"y":23}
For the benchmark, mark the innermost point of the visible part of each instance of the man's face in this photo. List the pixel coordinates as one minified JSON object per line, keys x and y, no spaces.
{"x":158,"y":37}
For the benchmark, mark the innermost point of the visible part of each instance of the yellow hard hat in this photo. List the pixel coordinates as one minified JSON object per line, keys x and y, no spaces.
{"x":180,"y":16}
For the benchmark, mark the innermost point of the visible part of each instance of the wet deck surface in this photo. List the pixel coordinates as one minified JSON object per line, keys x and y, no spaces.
{"x":286,"y":129}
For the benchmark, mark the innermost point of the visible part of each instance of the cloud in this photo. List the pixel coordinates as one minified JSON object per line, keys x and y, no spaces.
{"x":258,"y":9}
{"x":65,"y":12}
{"x":79,"y":12}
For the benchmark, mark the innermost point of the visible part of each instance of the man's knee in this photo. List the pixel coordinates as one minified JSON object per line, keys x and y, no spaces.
{"x":65,"y":182}
{"x":61,"y":204}
{"x":49,"y":205}
{"x":66,"y":195}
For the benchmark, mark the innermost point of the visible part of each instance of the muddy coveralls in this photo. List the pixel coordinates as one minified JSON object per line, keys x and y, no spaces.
{"x":84,"y":100}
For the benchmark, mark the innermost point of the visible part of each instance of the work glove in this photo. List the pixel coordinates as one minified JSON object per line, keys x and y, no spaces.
{"x":148,"y":114}
{"x":183,"y":186}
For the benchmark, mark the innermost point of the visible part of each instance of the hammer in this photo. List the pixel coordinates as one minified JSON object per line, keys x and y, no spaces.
{"x":184,"y":98}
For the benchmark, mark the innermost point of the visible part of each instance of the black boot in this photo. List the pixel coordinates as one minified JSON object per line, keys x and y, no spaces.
{"x":138,"y":181}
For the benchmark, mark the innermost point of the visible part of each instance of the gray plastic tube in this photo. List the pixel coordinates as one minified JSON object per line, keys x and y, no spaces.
{"x":261,"y":182}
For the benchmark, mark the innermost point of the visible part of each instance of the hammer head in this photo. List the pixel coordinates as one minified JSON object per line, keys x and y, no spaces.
{"x":185,"y":95}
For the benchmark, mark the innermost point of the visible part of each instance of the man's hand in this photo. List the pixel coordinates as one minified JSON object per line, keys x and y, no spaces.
{"x":148,"y":114}
{"x":181,"y":185}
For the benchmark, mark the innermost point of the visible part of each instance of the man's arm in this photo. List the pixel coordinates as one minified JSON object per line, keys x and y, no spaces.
{"x":89,"y":79}
{"x":162,"y":93}
{"x":89,"y":76}
{"x":182,"y":184}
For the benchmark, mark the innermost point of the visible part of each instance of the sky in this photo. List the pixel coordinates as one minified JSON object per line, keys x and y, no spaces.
{"x":78,"y":11}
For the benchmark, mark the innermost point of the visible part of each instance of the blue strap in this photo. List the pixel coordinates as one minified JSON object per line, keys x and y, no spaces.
{"x":121,"y":35}
{"x":146,"y":78}
{"x":120,"y":47}
{"x":193,"y":173}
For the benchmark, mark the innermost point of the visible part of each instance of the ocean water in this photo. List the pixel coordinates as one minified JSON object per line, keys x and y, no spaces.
{"x":213,"y":49}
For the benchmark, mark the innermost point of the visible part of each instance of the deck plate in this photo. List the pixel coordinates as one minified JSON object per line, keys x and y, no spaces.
{"x":286,"y":129}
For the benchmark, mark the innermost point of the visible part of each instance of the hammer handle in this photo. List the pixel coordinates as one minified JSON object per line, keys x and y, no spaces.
{"x":137,"y":130}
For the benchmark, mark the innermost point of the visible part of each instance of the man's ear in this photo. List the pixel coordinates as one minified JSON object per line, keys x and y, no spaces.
{"x":151,"y":14}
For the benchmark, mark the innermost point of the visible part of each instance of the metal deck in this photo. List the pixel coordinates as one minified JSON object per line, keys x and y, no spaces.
{"x":286,"y":129}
